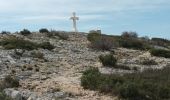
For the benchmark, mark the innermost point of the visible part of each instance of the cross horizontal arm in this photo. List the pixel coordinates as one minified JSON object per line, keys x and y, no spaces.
{"x":74,"y":18}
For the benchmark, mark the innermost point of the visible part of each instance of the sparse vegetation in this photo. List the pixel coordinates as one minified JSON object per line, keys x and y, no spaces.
{"x":19,"y":43}
{"x":25,"y":32}
{"x":160,"y":53}
{"x":43,"y":30}
{"x":147,"y":85}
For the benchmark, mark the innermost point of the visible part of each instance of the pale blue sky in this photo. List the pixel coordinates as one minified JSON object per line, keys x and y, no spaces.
{"x":146,"y":17}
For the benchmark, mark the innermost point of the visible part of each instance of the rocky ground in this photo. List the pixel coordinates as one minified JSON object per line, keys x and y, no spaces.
{"x":58,"y":77}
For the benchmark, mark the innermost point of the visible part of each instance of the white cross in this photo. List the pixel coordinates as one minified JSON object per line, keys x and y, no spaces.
{"x":74,"y":18}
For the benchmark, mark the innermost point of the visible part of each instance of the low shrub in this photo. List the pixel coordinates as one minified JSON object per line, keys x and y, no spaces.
{"x":37,"y":69}
{"x":9,"y":82}
{"x":148,"y":85}
{"x":43,"y":30}
{"x":37,"y":55}
{"x":61,"y":35}
{"x":3,"y":96}
{"x":108,"y":60}
{"x":5,"y":32}
{"x":25,"y":32}
{"x":29,"y":68}
{"x":160,"y":42}
{"x":123,"y":67}
{"x":149,"y":62}
{"x":94,"y":36}
{"x":132,"y":44}
{"x":46,"y":45}
{"x":160,"y":53}
{"x":18,"y":43}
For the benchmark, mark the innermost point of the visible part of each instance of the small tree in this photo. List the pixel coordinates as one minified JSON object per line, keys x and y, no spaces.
{"x":129,"y":34}
{"x":25,"y":32}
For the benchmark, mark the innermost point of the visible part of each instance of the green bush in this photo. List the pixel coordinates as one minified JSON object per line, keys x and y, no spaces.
{"x":90,"y":80}
{"x":46,"y":45}
{"x":43,"y":30}
{"x":25,"y":32}
{"x":108,"y":60}
{"x":160,"y":53}
{"x":147,"y":85}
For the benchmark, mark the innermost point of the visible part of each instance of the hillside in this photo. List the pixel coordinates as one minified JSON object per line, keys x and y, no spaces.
{"x":56,"y":74}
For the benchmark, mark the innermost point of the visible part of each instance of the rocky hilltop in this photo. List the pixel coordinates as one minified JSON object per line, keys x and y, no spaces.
{"x":55,"y":75}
